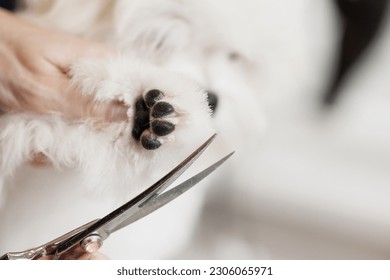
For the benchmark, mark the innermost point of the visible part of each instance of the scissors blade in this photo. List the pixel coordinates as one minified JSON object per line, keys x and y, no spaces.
{"x":105,"y":225}
{"x":156,"y":203}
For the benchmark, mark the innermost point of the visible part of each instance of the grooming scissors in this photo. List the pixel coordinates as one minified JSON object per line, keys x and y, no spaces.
{"x":89,"y":237}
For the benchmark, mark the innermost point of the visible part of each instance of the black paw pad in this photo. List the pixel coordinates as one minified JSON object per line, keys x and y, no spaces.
{"x":162,"y":109}
{"x":149,"y":142}
{"x":149,"y":124}
{"x":212,"y":99}
{"x":141,"y":119}
{"x":152,"y":96}
{"x":162,"y":128}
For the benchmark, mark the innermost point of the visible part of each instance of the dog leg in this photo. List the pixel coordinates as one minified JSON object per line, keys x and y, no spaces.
{"x":163,"y":107}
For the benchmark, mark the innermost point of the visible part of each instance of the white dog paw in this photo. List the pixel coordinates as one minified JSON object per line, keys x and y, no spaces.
{"x":165,"y":107}
{"x":154,"y":119}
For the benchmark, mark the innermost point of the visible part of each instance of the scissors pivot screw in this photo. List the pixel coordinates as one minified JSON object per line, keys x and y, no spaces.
{"x":92,"y":243}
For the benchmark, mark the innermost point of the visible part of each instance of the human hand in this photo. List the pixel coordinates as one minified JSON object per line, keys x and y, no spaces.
{"x":34,"y":65}
{"x":81,"y":256}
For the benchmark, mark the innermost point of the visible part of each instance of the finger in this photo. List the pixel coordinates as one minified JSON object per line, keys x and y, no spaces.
{"x":73,"y":105}
{"x":114,"y":111}
{"x":85,"y":108}
{"x":76,"y":50}
{"x":93,"y":256}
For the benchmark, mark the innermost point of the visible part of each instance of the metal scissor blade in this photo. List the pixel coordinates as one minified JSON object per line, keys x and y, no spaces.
{"x":156,"y":203}
{"x":172,"y":176}
{"x":105,"y":225}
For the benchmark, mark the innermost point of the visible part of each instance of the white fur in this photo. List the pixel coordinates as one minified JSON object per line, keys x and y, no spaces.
{"x":162,"y":44}
{"x":242,"y":50}
{"x":181,"y":47}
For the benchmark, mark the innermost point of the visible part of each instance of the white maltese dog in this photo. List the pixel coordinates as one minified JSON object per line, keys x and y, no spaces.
{"x":183,"y":69}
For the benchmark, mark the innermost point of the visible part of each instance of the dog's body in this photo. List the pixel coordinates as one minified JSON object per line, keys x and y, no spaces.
{"x":179,"y":48}
{"x":162,"y":45}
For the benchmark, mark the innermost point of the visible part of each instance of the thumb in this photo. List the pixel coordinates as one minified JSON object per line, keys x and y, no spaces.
{"x":82,"y":107}
{"x":114,"y":111}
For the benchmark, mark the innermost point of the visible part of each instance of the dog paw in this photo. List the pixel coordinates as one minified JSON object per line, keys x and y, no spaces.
{"x":154,"y":119}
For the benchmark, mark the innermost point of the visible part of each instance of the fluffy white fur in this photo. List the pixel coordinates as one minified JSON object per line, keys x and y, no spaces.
{"x":275,"y":50}
{"x":173,"y":46}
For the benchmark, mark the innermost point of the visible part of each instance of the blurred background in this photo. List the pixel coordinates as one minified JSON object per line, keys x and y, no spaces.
{"x":318,"y":187}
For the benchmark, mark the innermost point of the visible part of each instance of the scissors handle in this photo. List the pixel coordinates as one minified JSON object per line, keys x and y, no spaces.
{"x":49,"y":249}
{"x":30,"y":254}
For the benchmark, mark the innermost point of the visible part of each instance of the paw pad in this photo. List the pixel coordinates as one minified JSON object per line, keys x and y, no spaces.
{"x":162,"y":109}
{"x":152,"y":96}
{"x":162,"y":128}
{"x":149,"y":141}
{"x":149,"y":121}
